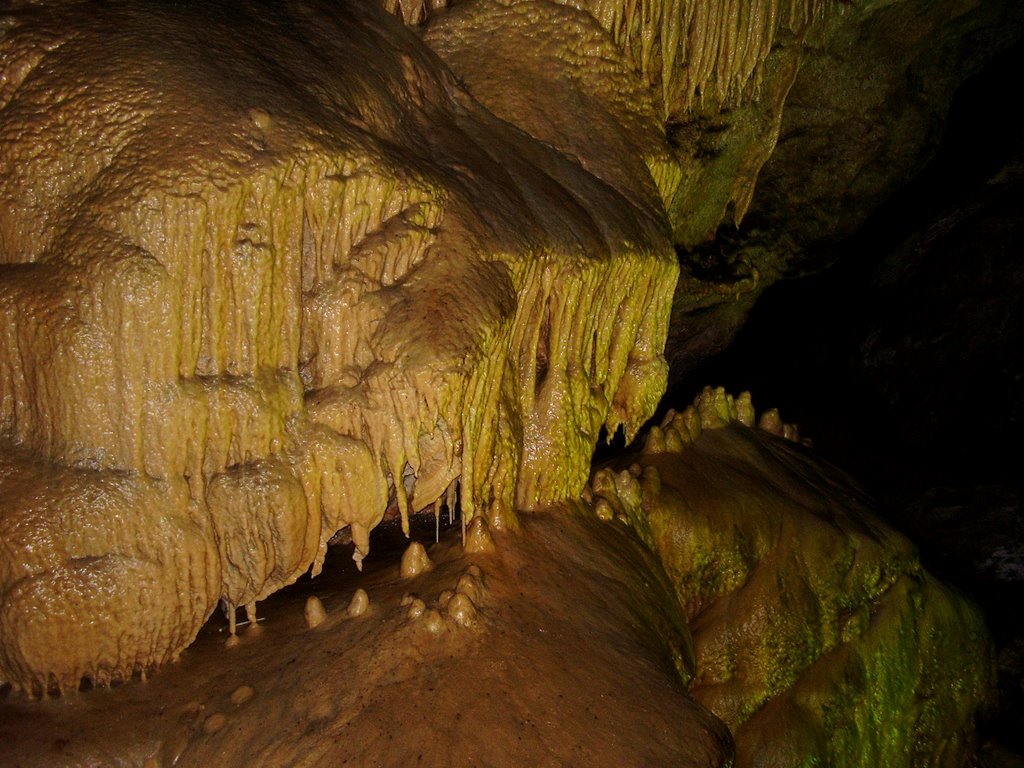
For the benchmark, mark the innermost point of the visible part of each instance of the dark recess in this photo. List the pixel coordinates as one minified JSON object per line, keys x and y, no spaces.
{"x":904,"y":362}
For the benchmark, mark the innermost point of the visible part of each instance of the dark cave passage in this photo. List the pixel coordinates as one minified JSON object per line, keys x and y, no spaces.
{"x":904,"y":363}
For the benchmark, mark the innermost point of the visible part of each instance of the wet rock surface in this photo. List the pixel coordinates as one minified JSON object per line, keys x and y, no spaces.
{"x":563,"y":647}
{"x":272,"y":273}
{"x":904,"y":364}
{"x":813,"y":620}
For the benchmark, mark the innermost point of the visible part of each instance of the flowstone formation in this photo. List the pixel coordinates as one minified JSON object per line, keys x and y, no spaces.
{"x":273,"y":275}
{"x":249,"y":301}
{"x":819,"y":638}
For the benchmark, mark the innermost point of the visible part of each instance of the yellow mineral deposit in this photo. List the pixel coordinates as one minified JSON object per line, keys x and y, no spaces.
{"x":713,"y":408}
{"x":470,"y":586}
{"x":433,"y":621}
{"x":416,"y":608}
{"x":478,"y":538}
{"x":717,"y":553}
{"x":462,"y":610}
{"x":296,"y":293}
{"x":703,"y":52}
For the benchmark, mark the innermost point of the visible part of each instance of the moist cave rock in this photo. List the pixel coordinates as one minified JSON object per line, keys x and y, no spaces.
{"x":281,"y":280}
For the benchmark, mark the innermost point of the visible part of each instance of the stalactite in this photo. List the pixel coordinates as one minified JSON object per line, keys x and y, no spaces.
{"x":246,"y":350}
{"x":702,"y":53}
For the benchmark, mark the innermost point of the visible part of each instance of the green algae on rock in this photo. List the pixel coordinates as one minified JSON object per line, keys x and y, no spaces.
{"x":819,"y":637}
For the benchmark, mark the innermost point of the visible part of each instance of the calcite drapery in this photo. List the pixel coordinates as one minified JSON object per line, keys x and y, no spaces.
{"x":266,"y":270}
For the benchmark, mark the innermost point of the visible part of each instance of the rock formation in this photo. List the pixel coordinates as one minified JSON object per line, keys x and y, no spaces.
{"x":271,"y":275}
{"x":813,"y":622}
{"x":249,"y":302}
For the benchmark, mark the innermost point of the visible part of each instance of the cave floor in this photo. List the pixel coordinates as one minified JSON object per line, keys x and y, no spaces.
{"x":561,"y":662}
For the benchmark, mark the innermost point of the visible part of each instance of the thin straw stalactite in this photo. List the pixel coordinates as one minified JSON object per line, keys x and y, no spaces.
{"x":696,"y":54}
{"x":702,"y":53}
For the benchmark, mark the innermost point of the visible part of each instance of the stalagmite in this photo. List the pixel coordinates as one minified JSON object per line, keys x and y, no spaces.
{"x":414,"y":561}
{"x":469,"y":585}
{"x":314,"y":612}
{"x":433,"y":621}
{"x":242,"y":694}
{"x":770,"y":421}
{"x":655,"y":441}
{"x":359,"y":604}
{"x":460,"y":607}
{"x":478,"y":538}
{"x":713,"y":408}
{"x":745,"y":414}
{"x":214,"y":722}
{"x":416,"y":609}
{"x":603,"y":509}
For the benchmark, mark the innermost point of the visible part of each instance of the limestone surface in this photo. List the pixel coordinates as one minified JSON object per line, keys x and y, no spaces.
{"x":274,"y":274}
{"x":577,"y":654}
{"x":819,"y":637}
{"x":268,"y":273}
